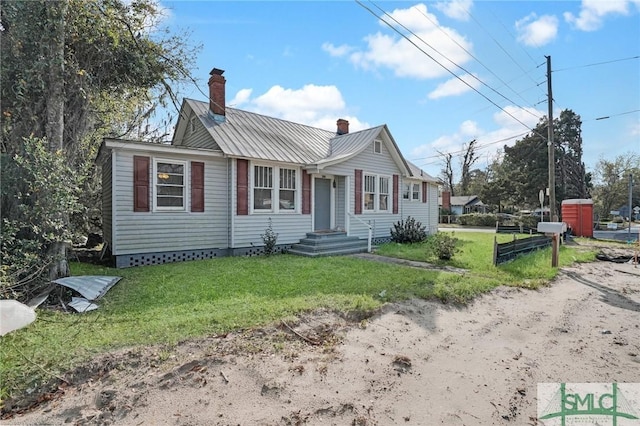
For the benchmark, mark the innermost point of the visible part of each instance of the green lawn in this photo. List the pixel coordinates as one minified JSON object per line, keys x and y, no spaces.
{"x":169,"y":303}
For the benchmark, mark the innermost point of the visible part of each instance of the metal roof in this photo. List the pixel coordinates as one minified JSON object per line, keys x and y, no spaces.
{"x":247,"y":134}
{"x":346,"y":146}
{"x":463,"y":200}
{"x":92,"y":287}
{"x":420,"y":174}
{"x":250,"y":135}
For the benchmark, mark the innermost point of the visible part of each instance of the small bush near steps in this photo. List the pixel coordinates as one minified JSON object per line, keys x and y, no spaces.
{"x":270,"y":239}
{"x":408,"y":231}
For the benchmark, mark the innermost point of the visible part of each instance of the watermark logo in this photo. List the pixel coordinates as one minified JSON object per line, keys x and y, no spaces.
{"x":616,"y":404}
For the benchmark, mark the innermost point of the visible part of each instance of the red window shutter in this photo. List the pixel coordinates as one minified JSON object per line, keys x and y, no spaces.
{"x":197,"y":186}
{"x":242,"y":186}
{"x":358,"y":192}
{"x":396,"y":189}
{"x":306,"y":192}
{"x":424,"y":192}
{"x":140,"y":183}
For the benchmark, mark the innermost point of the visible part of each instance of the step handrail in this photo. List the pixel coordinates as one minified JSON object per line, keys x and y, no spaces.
{"x":368,"y":225}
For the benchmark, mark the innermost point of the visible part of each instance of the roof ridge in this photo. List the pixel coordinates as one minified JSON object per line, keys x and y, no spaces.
{"x":268,"y":116}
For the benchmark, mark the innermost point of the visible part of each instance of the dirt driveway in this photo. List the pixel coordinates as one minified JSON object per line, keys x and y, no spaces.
{"x":414,"y":363}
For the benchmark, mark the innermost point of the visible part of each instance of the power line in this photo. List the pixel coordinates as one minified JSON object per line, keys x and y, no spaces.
{"x":500,"y":46}
{"x":478,"y":147}
{"x":478,"y":60}
{"x":597,"y":63}
{"x":614,"y":115}
{"x":437,"y":62}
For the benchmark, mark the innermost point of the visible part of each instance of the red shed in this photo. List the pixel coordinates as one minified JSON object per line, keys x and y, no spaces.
{"x":578,"y":214}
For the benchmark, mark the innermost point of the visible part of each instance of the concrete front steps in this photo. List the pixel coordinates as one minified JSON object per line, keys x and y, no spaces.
{"x":328,"y":244}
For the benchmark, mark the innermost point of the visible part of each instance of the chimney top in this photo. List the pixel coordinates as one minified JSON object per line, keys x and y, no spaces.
{"x":343,"y":126}
{"x":217,"y":95}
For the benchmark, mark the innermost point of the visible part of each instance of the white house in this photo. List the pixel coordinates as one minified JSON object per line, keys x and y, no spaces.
{"x":228,"y":173}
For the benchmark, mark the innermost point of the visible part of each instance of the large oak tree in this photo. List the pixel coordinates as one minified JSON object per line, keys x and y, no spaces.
{"x":73,"y":72}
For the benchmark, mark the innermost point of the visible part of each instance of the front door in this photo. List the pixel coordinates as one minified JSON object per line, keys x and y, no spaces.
{"x":322,"y":205}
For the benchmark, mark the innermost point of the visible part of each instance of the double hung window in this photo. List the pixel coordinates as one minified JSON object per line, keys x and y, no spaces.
{"x":275,"y":189}
{"x":170,"y":185}
{"x":376,"y":193}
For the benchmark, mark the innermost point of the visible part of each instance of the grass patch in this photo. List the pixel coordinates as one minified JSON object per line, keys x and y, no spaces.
{"x":166,"y":304}
{"x":476,"y":255}
{"x":173,"y":302}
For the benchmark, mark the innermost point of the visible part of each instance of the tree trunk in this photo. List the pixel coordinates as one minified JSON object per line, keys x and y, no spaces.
{"x":54,"y":128}
{"x":59,"y":266}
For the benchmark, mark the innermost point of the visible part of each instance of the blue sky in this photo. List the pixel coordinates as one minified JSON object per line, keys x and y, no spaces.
{"x":315,"y":62}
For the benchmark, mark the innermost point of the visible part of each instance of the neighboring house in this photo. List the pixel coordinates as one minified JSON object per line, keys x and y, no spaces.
{"x":228,"y":173}
{"x":465,"y":204}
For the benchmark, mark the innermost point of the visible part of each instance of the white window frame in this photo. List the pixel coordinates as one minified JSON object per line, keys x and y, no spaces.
{"x":377,"y":146}
{"x":406,"y":191}
{"x":374,"y":179}
{"x":415,"y":195}
{"x":376,"y":194}
{"x":275,"y":189}
{"x":185,"y":185}
{"x":388,"y":194}
{"x":293,"y":180}
{"x":270,"y":187}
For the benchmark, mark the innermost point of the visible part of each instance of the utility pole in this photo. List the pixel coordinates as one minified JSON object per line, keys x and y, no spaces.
{"x":552,"y":162}
{"x":630,"y":205}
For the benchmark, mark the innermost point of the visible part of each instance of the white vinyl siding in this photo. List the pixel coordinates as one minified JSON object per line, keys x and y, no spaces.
{"x":196,"y":135}
{"x":149,"y":232}
{"x":426,"y":213}
{"x":371,"y":163}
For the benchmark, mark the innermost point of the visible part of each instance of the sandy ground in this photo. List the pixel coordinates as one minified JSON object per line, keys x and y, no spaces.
{"x":414,"y":363}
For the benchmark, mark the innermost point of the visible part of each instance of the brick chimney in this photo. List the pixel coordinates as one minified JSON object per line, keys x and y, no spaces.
{"x":217,"y":94}
{"x":343,"y":126}
{"x":446,"y":200}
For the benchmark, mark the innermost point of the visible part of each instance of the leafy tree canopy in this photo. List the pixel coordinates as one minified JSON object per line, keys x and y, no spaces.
{"x":73,"y":72}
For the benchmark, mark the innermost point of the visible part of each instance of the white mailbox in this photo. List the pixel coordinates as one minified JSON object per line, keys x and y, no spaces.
{"x":552,"y":227}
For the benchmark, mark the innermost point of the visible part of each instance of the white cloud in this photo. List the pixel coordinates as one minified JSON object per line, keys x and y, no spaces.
{"x":593,"y":12}
{"x":456,"y":9}
{"x":401,"y":56}
{"x":336,"y":51}
{"x":317,"y":106}
{"x":241,"y":97}
{"x":455,"y":86}
{"x":470,"y":128}
{"x":537,"y":31}
{"x":529,"y":116}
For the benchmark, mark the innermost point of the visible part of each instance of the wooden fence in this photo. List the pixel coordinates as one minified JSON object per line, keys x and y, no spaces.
{"x":507,"y":251}
{"x":514,"y":229}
